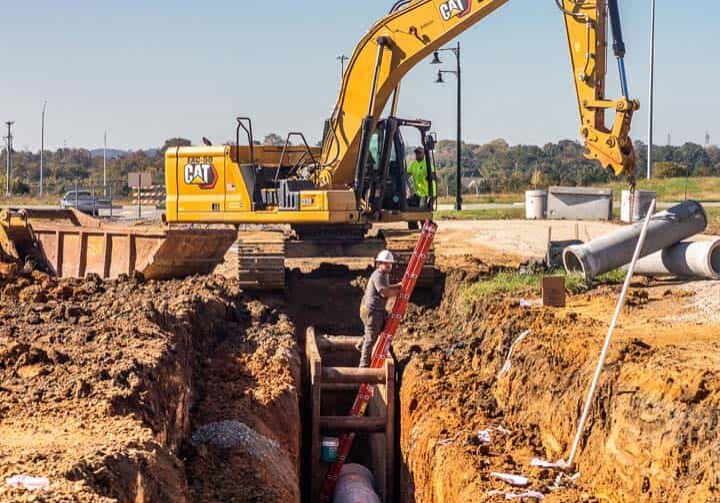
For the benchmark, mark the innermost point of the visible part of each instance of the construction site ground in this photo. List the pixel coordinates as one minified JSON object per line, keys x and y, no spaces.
{"x":190,"y":390}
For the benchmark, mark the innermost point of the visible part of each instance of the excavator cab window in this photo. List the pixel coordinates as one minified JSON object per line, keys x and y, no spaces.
{"x":386,"y":181}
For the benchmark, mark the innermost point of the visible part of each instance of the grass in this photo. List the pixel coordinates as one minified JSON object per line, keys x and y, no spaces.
{"x":713,"y":215}
{"x":489,"y":214}
{"x":673,"y":189}
{"x":516,"y":283}
{"x":30,"y":200}
{"x":668,"y":190}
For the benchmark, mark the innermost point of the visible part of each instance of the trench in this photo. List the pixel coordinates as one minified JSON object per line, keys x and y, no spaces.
{"x":226,"y":408}
{"x":650,"y":432}
{"x":650,"y":435}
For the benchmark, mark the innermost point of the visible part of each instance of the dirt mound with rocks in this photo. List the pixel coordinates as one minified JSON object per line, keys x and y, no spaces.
{"x":653,"y":429}
{"x":100,"y":383}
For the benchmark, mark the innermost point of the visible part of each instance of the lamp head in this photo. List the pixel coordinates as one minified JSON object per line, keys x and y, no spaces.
{"x":436,"y":59}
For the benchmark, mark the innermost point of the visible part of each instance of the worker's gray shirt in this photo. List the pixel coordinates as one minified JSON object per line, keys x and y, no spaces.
{"x":373,"y":300}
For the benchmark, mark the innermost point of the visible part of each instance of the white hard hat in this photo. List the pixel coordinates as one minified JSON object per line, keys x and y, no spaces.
{"x":385,"y":256}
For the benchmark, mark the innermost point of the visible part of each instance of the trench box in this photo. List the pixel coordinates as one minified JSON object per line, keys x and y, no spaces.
{"x":334,"y":378}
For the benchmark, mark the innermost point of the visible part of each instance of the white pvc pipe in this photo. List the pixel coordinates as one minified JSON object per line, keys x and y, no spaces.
{"x":608,"y":339}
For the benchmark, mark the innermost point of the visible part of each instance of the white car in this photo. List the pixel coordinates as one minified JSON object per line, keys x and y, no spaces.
{"x":83,"y":200}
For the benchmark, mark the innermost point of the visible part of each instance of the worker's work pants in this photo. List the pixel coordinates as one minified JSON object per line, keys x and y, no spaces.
{"x":373,"y":321}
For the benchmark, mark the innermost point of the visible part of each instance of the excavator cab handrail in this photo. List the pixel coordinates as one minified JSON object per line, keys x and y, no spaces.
{"x":297,"y":164}
{"x":249,"y":132}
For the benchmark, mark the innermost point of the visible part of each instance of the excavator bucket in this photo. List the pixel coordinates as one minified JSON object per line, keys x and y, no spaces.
{"x":68,"y":243}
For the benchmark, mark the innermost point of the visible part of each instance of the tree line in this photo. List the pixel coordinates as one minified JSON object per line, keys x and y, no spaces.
{"x":499,"y":167}
{"x":494,"y":167}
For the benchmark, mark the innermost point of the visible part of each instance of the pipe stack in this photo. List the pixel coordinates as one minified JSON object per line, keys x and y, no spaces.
{"x":664,"y":252}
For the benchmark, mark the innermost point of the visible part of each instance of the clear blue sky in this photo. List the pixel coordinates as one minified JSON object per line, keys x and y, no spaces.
{"x":149,"y":70}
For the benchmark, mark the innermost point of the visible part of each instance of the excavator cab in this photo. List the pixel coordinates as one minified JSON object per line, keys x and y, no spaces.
{"x":385,"y":185}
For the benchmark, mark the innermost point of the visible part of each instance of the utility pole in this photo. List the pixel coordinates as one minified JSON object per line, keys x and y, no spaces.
{"x":342,"y":58}
{"x":652,"y":90}
{"x":8,"y":170}
{"x":105,"y":163}
{"x":707,"y":138}
{"x":42,"y":147}
{"x":458,"y":171}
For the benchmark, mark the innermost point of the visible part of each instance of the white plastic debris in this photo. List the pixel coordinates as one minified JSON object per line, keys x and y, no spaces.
{"x":27,"y":482}
{"x":507,"y":364}
{"x":530,"y":303}
{"x":513,"y":496}
{"x":448,"y":441}
{"x":541,"y":463}
{"x":485,"y":436}
{"x":513,"y":480}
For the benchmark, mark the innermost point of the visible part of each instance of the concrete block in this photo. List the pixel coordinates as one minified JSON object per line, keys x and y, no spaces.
{"x":579,"y":203}
{"x":642,"y":201}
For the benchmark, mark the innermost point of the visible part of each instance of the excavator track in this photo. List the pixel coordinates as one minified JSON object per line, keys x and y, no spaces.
{"x":261,"y":260}
{"x":402,"y":243}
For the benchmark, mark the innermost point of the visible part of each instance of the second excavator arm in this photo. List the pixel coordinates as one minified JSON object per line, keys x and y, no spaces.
{"x":416,"y":28}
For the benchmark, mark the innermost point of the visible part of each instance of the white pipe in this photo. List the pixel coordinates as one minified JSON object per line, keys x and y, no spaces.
{"x":608,"y":339}
{"x":696,"y":259}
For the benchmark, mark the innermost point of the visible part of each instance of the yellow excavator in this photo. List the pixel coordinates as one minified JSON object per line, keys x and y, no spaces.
{"x":330,"y":196}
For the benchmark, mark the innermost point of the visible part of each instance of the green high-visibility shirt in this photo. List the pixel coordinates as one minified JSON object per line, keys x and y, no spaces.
{"x":419,"y":173}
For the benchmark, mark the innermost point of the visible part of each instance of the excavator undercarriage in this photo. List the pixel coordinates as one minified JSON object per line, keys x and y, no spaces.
{"x":263,"y":255}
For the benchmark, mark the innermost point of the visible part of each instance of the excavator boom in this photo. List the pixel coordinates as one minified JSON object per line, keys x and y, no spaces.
{"x":416,"y":28}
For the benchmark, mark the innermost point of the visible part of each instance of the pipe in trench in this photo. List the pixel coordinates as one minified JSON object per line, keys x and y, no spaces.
{"x":355,"y":485}
{"x":698,"y":259}
{"x":615,"y":250}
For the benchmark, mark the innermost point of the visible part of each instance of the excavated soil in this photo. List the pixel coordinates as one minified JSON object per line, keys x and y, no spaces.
{"x":188,"y":391}
{"x":653,"y":429}
{"x":136,"y":391}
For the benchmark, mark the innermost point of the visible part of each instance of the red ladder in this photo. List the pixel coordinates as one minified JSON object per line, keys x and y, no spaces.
{"x":382,"y":348}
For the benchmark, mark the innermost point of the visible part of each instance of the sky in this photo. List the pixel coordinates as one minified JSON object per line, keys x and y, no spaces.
{"x":150,"y":70}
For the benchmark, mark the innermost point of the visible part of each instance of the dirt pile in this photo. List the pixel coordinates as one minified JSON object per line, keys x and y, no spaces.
{"x":653,"y":429}
{"x":100,"y":380}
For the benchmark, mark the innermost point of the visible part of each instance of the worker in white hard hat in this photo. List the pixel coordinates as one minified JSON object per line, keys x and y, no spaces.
{"x":372,"y":307}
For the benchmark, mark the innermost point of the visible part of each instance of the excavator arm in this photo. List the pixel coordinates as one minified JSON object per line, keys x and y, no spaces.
{"x":416,"y":28}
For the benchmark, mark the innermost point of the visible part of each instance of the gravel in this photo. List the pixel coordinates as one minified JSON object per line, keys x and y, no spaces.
{"x":228,"y":434}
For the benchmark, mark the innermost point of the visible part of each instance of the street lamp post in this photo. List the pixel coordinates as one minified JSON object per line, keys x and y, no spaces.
{"x":652,"y":90}
{"x":457,"y":72}
{"x":42,"y":147}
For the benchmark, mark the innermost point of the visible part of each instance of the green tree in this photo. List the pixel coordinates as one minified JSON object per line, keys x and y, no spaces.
{"x":274,"y":140}
{"x":669,"y":169}
{"x":175,"y":142}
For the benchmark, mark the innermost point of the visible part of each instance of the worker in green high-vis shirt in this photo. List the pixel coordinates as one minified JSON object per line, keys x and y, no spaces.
{"x":418,"y":171}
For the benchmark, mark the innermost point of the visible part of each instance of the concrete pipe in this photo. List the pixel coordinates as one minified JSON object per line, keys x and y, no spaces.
{"x":698,"y":259}
{"x":355,"y":485}
{"x":614,"y":250}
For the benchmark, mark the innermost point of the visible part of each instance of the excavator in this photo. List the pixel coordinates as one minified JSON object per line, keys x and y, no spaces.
{"x":331,"y":196}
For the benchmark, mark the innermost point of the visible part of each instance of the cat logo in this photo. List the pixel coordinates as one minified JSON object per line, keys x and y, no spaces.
{"x":454,"y":8}
{"x":203,"y":175}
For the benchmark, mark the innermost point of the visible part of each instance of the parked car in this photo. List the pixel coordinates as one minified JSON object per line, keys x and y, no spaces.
{"x":83,"y":200}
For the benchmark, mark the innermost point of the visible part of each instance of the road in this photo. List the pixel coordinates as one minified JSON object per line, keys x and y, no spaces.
{"x":509,"y":206}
